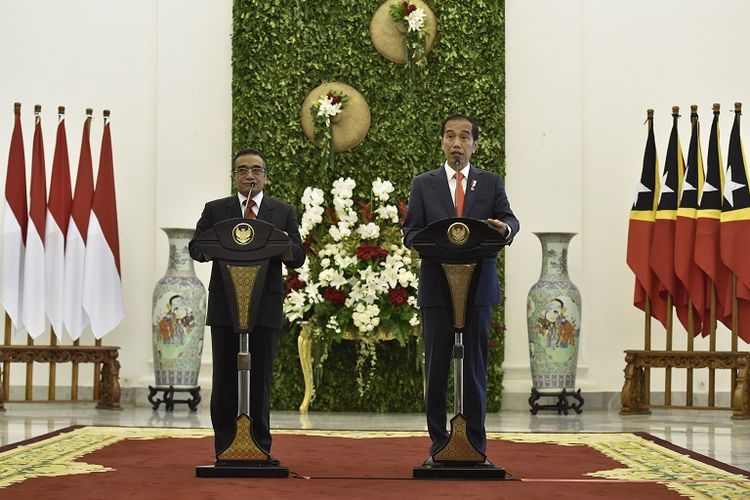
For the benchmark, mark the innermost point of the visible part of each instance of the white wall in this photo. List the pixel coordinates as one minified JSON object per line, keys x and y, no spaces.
{"x":164,"y":70}
{"x":580,"y":75}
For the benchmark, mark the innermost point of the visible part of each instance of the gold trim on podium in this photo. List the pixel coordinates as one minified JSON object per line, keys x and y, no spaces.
{"x":243,"y":447}
{"x":459,"y":278}
{"x":243,"y":280}
{"x":459,"y":447}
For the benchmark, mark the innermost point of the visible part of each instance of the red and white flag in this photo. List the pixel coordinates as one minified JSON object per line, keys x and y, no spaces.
{"x":102,"y":284}
{"x":33,"y":311}
{"x":14,"y":225}
{"x":58,"y":214}
{"x":74,"y":316}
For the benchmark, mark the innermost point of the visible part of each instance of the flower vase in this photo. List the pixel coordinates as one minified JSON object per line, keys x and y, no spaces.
{"x":179,"y":317}
{"x":553,"y":312}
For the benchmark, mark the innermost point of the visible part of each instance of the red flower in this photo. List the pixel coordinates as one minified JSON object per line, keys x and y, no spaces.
{"x":334,"y":296}
{"x":412,"y":8}
{"x":293,"y":283}
{"x":398,"y":296}
{"x":402,"y":209}
{"x":370,"y":252}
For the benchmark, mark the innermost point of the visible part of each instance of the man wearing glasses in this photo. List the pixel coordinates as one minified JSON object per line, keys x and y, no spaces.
{"x":250,"y":172}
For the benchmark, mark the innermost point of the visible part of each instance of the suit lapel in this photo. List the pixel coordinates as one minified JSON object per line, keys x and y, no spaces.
{"x":474,"y":179}
{"x":265,"y":212}
{"x":232,"y":207}
{"x":442,"y":191}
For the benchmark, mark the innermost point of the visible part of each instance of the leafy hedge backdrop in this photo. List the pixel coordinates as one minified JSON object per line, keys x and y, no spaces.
{"x":283,"y":49}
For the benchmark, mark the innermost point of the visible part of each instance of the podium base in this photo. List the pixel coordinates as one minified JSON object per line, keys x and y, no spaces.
{"x":485,"y":472}
{"x":241,"y":469}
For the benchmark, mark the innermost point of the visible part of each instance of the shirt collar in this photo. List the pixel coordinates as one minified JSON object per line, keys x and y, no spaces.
{"x":450,"y":172}
{"x":258,"y":198}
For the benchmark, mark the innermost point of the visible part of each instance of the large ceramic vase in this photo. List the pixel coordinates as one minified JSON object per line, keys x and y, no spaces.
{"x":553,"y":312}
{"x":179,"y":317}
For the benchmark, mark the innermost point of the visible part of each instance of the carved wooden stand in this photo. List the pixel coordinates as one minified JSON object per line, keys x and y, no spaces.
{"x":634,"y":390}
{"x":169,"y":400}
{"x":109,"y":396}
{"x":561,"y":406}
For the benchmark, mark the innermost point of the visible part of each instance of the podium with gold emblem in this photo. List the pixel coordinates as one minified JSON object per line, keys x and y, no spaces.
{"x":460,"y":245}
{"x":243,"y":248}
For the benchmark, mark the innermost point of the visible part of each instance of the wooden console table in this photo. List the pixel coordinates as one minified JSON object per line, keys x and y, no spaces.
{"x":635,"y":389}
{"x":109,"y":386}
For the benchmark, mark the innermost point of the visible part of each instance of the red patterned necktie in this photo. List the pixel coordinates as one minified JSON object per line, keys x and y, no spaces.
{"x":249,"y":212}
{"x":459,"y":194}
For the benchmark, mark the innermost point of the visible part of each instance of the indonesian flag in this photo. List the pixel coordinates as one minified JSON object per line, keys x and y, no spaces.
{"x":74,"y":316}
{"x":15,"y":219}
{"x":707,"y":233}
{"x":33,"y":267}
{"x":58,"y":214}
{"x":690,"y":275}
{"x":641,"y":229}
{"x":735,"y":225}
{"x":102,"y":285}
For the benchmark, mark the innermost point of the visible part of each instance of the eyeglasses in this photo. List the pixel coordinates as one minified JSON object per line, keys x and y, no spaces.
{"x":243,"y":171}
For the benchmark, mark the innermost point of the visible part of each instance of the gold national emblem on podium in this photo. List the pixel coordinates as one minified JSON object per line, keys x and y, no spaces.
{"x":243,"y":233}
{"x":458,"y":233}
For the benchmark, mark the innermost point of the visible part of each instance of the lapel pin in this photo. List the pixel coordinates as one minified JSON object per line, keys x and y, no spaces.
{"x":473,"y":184}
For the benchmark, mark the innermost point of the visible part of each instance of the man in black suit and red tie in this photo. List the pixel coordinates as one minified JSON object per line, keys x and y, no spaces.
{"x":250,"y":172}
{"x":457,"y":188}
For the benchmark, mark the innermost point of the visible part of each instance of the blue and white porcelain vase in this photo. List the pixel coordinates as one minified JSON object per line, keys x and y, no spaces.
{"x":179,"y":317}
{"x":553,"y":312}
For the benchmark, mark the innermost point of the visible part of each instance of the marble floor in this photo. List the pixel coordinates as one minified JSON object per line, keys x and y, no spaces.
{"x":711,"y":433}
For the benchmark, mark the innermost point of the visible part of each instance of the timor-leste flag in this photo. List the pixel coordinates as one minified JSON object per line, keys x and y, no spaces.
{"x":735,"y":225}
{"x":690,"y":275}
{"x":707,"y":232}
{"x":641,"y":229}
{"x":662,"y":245}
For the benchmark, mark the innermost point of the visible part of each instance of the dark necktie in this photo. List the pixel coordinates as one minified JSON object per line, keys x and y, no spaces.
{"x":249,"y":213}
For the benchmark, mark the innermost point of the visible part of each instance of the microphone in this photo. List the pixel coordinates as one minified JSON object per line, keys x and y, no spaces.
{"x":252,"y":184}
{"x":458,"y":163}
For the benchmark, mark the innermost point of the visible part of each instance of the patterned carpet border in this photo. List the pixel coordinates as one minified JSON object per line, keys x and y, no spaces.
{"x":644,"y":457}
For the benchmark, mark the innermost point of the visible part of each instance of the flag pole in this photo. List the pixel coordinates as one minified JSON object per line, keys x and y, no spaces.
{"x":6,"y":364}
{"x":647,"y":347}
{"x":668,"y":369}
{"x":735,"y":305}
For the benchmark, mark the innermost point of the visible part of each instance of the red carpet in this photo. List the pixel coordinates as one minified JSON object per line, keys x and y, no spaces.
{"x":144,"y":465}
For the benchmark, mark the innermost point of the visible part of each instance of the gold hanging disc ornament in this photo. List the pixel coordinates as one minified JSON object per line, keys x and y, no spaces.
{"x":388,"y":36}
{"x":349,"y":127}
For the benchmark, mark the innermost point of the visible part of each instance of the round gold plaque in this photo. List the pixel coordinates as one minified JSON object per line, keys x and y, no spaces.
{"x":243,"y":233}
{"x":458,"y":233}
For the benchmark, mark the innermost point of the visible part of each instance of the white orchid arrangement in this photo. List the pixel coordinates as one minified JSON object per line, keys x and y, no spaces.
{"x":414,"y":19}
{"x":360,"y":282}
{"x":324,"y":110}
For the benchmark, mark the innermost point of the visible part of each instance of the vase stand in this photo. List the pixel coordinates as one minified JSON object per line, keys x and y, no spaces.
{"x":562,"y":405}
{"x":169,"y":400}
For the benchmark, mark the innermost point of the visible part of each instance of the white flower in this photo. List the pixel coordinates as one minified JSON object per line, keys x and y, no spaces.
{"x":339,"y":231}
{"x":382,"y":189}
{"x":343,"y":188}
{"x":388,"y":213}
{"x":416,"y":19}
{"x":327,"y":109}
{"x":414,"y":321}
{"x":369,"y":231}
{"x":366,"y":317}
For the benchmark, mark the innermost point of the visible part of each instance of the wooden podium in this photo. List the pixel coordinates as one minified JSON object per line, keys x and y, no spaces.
{"x":460,"y":245}
{"x":243,"y":249}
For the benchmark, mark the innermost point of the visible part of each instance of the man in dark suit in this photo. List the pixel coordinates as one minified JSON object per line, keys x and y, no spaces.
{"x":457,"y":188}
{"x":250,"y":172}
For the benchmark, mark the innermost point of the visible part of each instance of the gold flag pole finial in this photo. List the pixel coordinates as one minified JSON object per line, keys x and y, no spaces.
{"x":17,"y":108}
{"x":716,"y":107}
{"x":37,"y":109}
{"x":675,"y":111}
{"x":61,"y":110}
{"x":738,"y":107}
{"x":89,"y":112}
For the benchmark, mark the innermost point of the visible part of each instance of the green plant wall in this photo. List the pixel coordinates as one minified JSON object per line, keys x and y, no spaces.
{"x":284,"y":49}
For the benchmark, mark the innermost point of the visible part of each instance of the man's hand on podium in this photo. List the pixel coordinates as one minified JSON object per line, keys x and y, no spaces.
{"x":499,"y":226}
{"x":287,"y":255}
